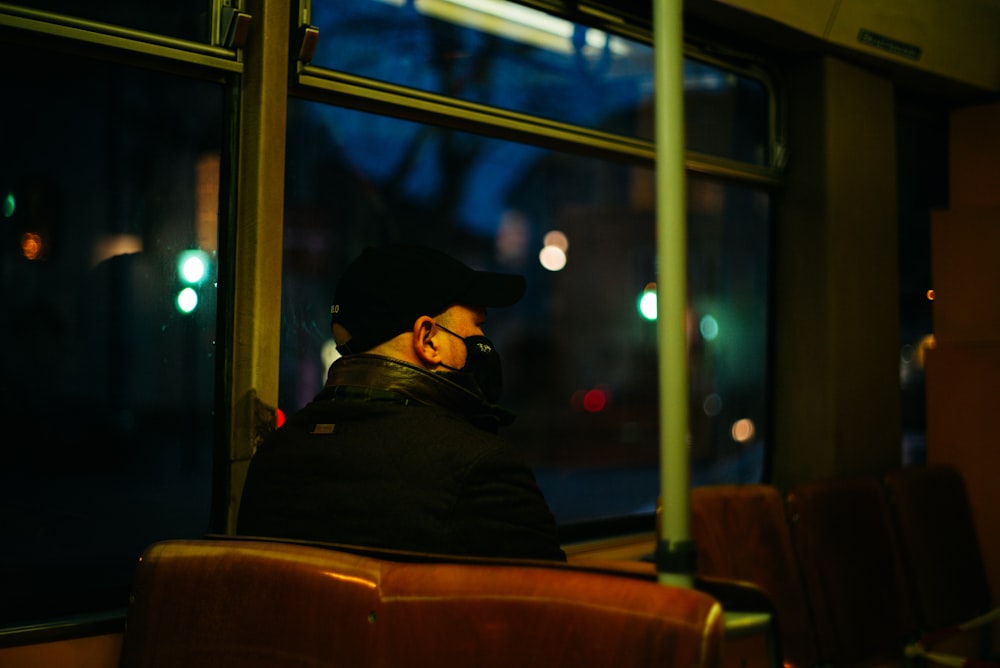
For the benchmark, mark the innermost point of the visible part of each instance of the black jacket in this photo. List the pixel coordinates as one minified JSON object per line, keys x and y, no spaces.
{"x":390,"y":455}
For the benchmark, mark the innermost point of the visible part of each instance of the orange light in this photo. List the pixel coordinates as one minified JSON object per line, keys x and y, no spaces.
{"x":930,"y":295}
{"x":926,"y":343}
{"x":31,"y":245}
{"x":742,"y":430}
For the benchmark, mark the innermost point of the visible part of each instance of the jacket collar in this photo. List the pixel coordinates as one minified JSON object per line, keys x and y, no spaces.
{"x":373,"y":375}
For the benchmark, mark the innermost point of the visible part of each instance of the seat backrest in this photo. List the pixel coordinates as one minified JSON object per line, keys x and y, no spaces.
{"x":741,"y":533}
{"x":248,"y":603}
{"x":848,"y":555}
{"x":942,"y":558}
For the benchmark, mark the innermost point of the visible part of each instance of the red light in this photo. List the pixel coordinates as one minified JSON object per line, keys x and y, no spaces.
{"x":281,"y":417}
{"x":594,"y":401}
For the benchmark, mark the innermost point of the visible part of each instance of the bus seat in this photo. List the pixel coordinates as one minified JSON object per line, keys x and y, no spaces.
{"x":741,"y":533}
{"x":942,"y":561}
{"x":743,"y":646}
{"x":848,"y":556}
{"x":234,"y":602}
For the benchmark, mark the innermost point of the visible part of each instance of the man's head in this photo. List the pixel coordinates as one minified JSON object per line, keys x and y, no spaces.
{"x":386,"y":290}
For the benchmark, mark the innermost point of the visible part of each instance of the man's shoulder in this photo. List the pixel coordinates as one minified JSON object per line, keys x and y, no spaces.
{"x":383,"y":419}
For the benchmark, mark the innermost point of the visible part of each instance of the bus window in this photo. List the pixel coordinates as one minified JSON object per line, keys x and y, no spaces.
{"x":109,"y":189}
{"x":495,"y":53}
{"x":511,"y":57}
{"x":186,"y":19}
{"x":580,"y":349}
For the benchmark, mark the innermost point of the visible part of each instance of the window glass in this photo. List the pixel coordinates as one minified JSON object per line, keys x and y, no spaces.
{"x":184,"y":19}
{"x":726,"y":114}
{"x":922,"y":182}
{"x":513,"y":57}
{"x":109,"y":192}
{"x":580,"y":349}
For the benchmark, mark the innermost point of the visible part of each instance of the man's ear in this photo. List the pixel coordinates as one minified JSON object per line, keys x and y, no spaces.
{"x":424,"y":345}
{"x":340,"y":335}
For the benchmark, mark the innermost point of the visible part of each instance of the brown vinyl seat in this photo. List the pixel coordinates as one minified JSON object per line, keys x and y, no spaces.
{"x":741,"y":533}
{"x":849,"y":559}
{"x":942,"y":561}
{"x":249,"y":602}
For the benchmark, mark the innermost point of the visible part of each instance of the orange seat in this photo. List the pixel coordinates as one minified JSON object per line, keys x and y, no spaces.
{"x":219,"y":603}
{"x":848,"y":555}
{"x":741,"y":533}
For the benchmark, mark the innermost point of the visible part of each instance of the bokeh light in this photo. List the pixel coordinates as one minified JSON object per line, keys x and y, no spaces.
{"x":557,"y":239}
{"x":742,"y":430}
{"x":552,"y":258}
{"x":187,"y":300}
{"x":32,"y":246}
{"x":192,"y":266}
{"x":595,"y":400}
{"x":554,"y":253}
{"x":647,"y":302}
{"x":709,"y":327}
{"x":712,"y":405}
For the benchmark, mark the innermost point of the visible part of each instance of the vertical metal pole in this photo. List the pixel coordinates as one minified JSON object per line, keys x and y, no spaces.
{"x":675,"y":550}
{"x":252,"y":367}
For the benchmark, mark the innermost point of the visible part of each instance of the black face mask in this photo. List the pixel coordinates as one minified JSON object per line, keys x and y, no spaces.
{"x":482,"y":361}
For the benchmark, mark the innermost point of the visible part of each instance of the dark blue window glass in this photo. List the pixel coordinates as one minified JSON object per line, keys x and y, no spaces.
{"x":107,"y":288}
{"x":516,"y":58}
{"x":183,"y":19}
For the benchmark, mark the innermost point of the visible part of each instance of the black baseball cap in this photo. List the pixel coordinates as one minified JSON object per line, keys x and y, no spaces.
{"x":384,"y":290}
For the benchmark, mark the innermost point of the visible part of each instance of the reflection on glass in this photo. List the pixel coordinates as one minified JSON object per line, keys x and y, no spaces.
{"x":107,"y":375}
{"x":512,"y":57}
{"x":579,"y":357}
{"x":726,"y":114}
{"x":496,"y":53}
